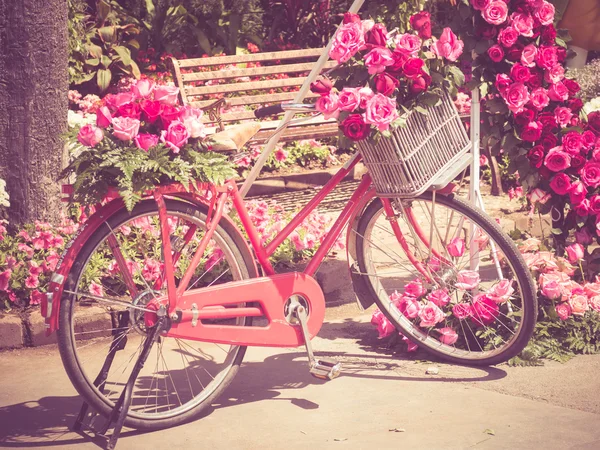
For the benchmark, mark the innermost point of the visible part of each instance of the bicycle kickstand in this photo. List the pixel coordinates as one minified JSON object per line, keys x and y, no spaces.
{"x":322,"y":368}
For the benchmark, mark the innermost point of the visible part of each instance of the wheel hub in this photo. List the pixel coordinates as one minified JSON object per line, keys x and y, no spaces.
{"x":141,"y":321}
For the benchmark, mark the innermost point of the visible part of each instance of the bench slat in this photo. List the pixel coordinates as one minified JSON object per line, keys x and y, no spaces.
{"x":246,"y":86}
{"x":253,"y":71}
{"x":234,"y":59}
{"x":255,"y":99}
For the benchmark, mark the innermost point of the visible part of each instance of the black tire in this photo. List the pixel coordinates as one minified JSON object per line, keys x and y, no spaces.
{"x":229,"y":235}
{"x":373,"y":287}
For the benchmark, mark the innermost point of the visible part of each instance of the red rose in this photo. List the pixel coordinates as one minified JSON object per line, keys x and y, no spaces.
{"x":420,"y":84}
{"x":486,"y":31}
{"x":376,"y":36}
{"x":524,"y":117}
{"x":322,"y":86}
{"x":351,"y":18}
{"x":561,"y":183}
{"x":583,"y":208}
{"x":590,"y":174}
{"x":572,"y":142}
{"x":548,"y":34}
{"x":421,"y":23}
{"x":546,"y":57}
{"x":577,"y":162}
{"x":536,"y":156}
{"x":594,"y":122}
{"x":496,"y":53}
{"x":577,"y":192}
{"x":502,"y":82}
{"x":412,"y":67}
{"x":514,"y":52}
{"x":519,"y":72}
{"x":532,"y":132}
{"x":561,"y":54}
{"x":595,"y":203}
{"x":548,"y":121}
{"x":572,"y":86}
{"x":535,"y":78}
{"x":169,"y":114}
{"x":386,"y":83}
{"x":355,"y":128}
{"x":399,"y":59}
{"x":588,"y":140}
{"x":151,"y":109}
{"x":129,"y":110}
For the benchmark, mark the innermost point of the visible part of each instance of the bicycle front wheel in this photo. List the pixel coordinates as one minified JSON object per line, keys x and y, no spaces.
{"x":180,"y":378}
{"x":447,"y":277}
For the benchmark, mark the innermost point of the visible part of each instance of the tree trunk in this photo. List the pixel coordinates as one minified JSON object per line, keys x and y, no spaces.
{"x":33,"y":105}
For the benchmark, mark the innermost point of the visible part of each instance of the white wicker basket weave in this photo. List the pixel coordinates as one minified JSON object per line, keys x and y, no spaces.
{"x":408,"y":162}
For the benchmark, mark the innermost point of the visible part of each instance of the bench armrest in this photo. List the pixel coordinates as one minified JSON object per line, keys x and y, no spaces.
{"x":214,"y":111}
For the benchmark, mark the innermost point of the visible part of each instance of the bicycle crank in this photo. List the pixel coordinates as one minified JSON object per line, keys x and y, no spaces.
{"x":322,"y":368}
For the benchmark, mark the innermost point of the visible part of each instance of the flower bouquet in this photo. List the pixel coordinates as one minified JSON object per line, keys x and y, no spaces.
{"x":141,"y":139}
{"x":383,"y":75}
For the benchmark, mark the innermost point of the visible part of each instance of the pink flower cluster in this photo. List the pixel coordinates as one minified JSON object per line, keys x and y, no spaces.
{"x":145,"y":116}
{"x":397,"y":69}
{"x":555,"y":276}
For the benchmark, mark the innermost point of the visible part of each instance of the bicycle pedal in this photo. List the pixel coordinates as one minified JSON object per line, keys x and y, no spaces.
{"x":325,"y":369}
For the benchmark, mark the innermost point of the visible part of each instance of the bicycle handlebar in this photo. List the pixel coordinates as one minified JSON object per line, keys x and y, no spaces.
{"x":282,"y":107}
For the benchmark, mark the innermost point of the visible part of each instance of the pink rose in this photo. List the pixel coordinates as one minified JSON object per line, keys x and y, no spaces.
{"x":348,"y":39}
{"x":563,"y":310}
{"x":480,"y":5}
{"x":408,"y":43}
{"x":502,"y":82}
{"x":90,"y":135}
{"x":439,"y":297}
{"x":485,"y":310}
{"x":558,"y":92}
{"x":538,"y":195}
{"x":595,"y":204}
{"x":563,"y":116}
{"x":579,"y":304}
{"x":170,"y":114}
{"x":577,"y":192}
{"x":539,"y":98}
{"x":412,"y":68}
{"x":415,"y":288}
{"x":555,"y":74}
{"x":590,"y":174}
{"x":552,"y":290}
{"x":145,"y":141}
{"x":328,"y":105}
{"x":448,"y":335}
{"x":114,"y":102}
{"x":381,"y":111}
{"x":143,"y":88}
{"x":495,"y":12}
{"x":572,"y":142}
{"x":496,"y":53}
{"x":430,"y":315}
{"x":167,"y":95}
{"x":583,"y":236}
{"x":103,"y":117}
{"x":545,"y":13}
{"x":592,"y":289}
{"x":130,"y":110}
{"x":501,"y":291}
{"x":151,"y":109}
{"x":594,"y":303}
{"x":583,"y":208}
{"x":575,"y":253}
{"x":195,"y":127}
{"x":322,"y":86}
{"x":456,"y":247}
{"x":561,"y":183}
{"x":467,"y":280}
{"x":532,"y":131}
{"x":462,"y":310}
{"x":385,"y":84}
{"x":530,"y":245}
{"x":528,"y":55}
{"x":125,"y":128}
{"x":366,"y":94}
{"x":523,"y":23}
{"x":175,"y":137}
{"x":384,"y":326}
{"x":516,"y":96}
{"x":546,"y":57}
{"x":557,"y":160}
{"x":448,"y":45}
{"x":378,"y":59}
{"x":508,"y":36}
{"x":519,"y":72}
{"x":409,"y":307}
{"x":349,"y":99}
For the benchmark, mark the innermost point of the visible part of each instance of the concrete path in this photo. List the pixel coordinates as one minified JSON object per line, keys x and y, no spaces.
{"x":274,"y":403}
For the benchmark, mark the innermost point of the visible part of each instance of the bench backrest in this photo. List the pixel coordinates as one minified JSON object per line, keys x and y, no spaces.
{"x":245,"y":80}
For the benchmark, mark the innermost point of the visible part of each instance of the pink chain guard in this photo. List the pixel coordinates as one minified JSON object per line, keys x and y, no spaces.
{"x":269,"y":293}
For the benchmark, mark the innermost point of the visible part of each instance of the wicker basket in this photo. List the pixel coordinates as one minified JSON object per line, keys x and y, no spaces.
{"x":408,"y":162}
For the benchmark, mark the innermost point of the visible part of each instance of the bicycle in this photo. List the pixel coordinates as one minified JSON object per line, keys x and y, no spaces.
{"x":193,"y":314}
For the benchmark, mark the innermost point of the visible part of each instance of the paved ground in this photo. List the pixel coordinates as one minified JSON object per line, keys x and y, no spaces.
{"x":274,"y":403}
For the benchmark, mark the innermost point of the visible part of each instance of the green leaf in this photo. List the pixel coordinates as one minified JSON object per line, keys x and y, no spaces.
{"x":124,"y":54}
{"x":135,"y":70}
{"x":429,"y":99}
{"x":103,"y":77}
{"x":108,"y":34}
{"x":150,"y":8}
{"x":106,"y":61}
{"x":92,"y":62}
{"x":94,"y":50}
{"x":457,"y":75}
{"x":483,"y":89}
{"x":102,"y":11}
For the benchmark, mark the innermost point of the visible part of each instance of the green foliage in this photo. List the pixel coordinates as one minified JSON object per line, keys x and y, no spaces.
{"x":301,"y":153}
{"x":132,"y":171}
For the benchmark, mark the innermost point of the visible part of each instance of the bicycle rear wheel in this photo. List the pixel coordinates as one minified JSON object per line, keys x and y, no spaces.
{"x":180,"y":378}
{"x":464,"y":306}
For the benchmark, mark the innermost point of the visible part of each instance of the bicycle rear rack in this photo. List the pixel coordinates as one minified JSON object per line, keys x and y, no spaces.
{"x":117,"y":417}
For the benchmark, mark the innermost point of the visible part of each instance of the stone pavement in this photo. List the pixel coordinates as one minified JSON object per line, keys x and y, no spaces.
{"x":274,"y":403}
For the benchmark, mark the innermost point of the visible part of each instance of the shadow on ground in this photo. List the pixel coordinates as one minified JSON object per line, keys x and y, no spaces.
{"x":46,"y":422}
